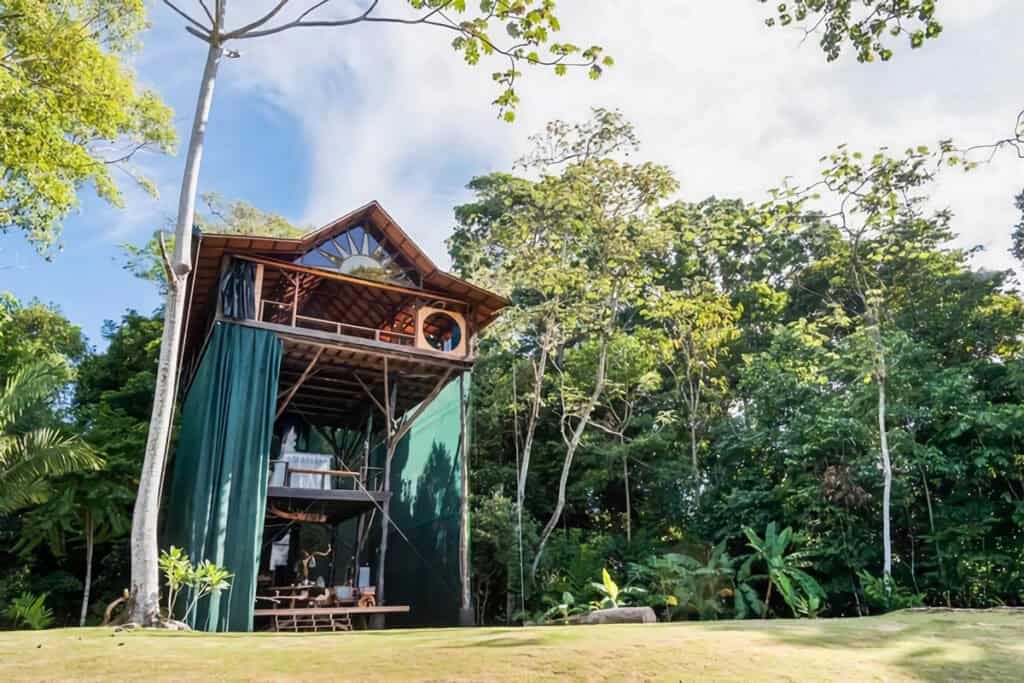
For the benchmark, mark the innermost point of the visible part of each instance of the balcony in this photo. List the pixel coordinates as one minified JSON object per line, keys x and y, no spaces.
{"x":303,"y":487}
{"x":358,"y":309}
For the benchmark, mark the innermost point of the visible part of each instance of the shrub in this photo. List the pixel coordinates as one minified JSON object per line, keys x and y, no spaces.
{"x":30,"y":611}
{"x":896,"y":597}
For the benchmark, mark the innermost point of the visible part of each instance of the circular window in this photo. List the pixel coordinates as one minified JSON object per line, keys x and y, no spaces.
{"x":442,"y":332}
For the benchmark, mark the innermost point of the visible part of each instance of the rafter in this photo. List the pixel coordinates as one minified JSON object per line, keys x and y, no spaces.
{"x":302,"y":378}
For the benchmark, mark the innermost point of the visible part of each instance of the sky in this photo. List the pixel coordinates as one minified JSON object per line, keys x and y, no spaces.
{"x":315,"y":122}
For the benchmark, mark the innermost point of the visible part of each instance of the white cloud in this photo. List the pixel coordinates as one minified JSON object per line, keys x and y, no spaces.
{"x":390,"y":112}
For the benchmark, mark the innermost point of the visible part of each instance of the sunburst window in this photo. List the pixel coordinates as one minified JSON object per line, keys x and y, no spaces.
{"x":356,"y":252}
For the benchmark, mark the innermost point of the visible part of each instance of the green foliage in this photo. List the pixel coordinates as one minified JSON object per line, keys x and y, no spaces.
{"x":496,"y":559}
{"x":864,"y":24}
{"x":30,"y":611}
{"x":1017,"y":249}
{"x":29,"y":459}
{"x":792,"y":305}
{"x":611,"y":595}
{"x":562,"y":608}
{"x":809,"y":606}
{"x":530,"y":24}
{"x":200,"y":580}
{"x":783,"y":568}
{"x":886,"y":595}
{"x":683,"y":585}
{"x":70,"y":110}
{"x":221,"y":216}
{"x":35,"y":332}
{"x":108,"y":410}
{"x":666,"y":578}
{"x":85,"y":507}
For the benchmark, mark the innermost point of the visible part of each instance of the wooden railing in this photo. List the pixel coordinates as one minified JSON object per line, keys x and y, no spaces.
{"x":308,"y":322}
{"x":366,"y":477}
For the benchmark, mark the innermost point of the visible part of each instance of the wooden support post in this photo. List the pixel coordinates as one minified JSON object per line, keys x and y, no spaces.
{"x":466,"y":616}
{"x":295,"y":300}
{"x":298,"y":383}
{"x":225,"y":265}
{"x":370,"y":393}
{"x":258,"y":291}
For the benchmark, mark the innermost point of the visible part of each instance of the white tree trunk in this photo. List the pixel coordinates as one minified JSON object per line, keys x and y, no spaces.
{"x":524,"y":466}
{"x":887,"y":483}
{"x":89,"y":536}
{"x":531,"y":425}
{"x":694,"y":461}
{"x":570,"y":452}
{"x":145,"y":578}
{"x":629,"y":509}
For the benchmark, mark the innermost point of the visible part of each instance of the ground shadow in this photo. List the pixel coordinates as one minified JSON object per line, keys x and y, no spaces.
{"x":932,"y":646}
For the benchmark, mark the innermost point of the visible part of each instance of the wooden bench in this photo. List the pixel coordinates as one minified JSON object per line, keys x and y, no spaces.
{"x":323,"y":618}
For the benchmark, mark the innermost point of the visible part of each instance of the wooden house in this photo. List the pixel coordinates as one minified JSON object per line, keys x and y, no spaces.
{"x":321,"y":455}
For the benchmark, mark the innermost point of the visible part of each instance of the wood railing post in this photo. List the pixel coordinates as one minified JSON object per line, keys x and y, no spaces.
{"x":295,"y":301}
{"x":259,"y":292}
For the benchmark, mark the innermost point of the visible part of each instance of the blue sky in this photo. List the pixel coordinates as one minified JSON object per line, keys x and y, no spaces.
{"x":313,"y":123}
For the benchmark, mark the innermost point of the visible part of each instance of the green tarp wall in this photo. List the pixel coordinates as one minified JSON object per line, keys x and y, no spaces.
{"x":218,"y":489}
{"x":426,"y":485}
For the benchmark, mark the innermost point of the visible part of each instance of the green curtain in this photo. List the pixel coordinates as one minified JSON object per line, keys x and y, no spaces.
{"x":238,"y":291}
{"x":426,"y":485}
{"x":218,"y":490}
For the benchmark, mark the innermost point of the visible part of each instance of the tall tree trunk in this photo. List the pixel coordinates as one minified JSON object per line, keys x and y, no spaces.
{"x":694,"y":462}
{"x":629,"y":510}
{"x":377,"y":620}
{"x":539,"y":370}
{"x":531,"y":425}
{"x":145,"y":578}
{"x":886,"y":472}
{"x":89,"y":537}
{"x":935,"y":539}
{"x":385,"y":523}
{"x":570,"y":452}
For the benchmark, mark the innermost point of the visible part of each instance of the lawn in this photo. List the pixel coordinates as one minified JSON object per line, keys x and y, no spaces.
{"x":930,"y":646}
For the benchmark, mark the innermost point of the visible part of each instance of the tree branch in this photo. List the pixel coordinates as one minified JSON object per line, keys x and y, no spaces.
{"x":239,"y":32}
{"x":186,"y":16}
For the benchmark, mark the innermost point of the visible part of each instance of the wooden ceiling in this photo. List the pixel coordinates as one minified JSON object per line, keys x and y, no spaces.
{"x":332,"y":384}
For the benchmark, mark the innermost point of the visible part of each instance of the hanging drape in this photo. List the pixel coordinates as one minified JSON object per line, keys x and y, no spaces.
{"x":426,"y":478}
{"x":238,"y":291}
{"x":218,"y":489}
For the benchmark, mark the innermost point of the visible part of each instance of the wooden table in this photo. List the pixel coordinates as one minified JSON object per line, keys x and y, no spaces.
{"x":323,"y":618}
{"x":290,"y":594}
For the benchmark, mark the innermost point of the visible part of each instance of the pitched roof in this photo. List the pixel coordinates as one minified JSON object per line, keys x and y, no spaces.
{"x":434,"y":279}
{"x":211,"y":247}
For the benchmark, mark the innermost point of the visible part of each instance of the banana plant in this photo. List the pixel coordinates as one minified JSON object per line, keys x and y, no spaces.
{"x":784,"y":571}
{"x":611,"y":595}
{"x":562,"y":608}
{"x":669,"y":580}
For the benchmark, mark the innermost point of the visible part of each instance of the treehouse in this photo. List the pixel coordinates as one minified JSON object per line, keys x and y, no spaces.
{"x":321,"y":455}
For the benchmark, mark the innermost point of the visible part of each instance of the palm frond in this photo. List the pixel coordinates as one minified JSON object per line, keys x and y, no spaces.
{"x":26,"y":387}
{"x":36,"y":493}
{"x":27,"y":460}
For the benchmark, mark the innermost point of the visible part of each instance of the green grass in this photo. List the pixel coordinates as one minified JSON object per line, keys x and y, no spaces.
{"x":930,"y":646}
